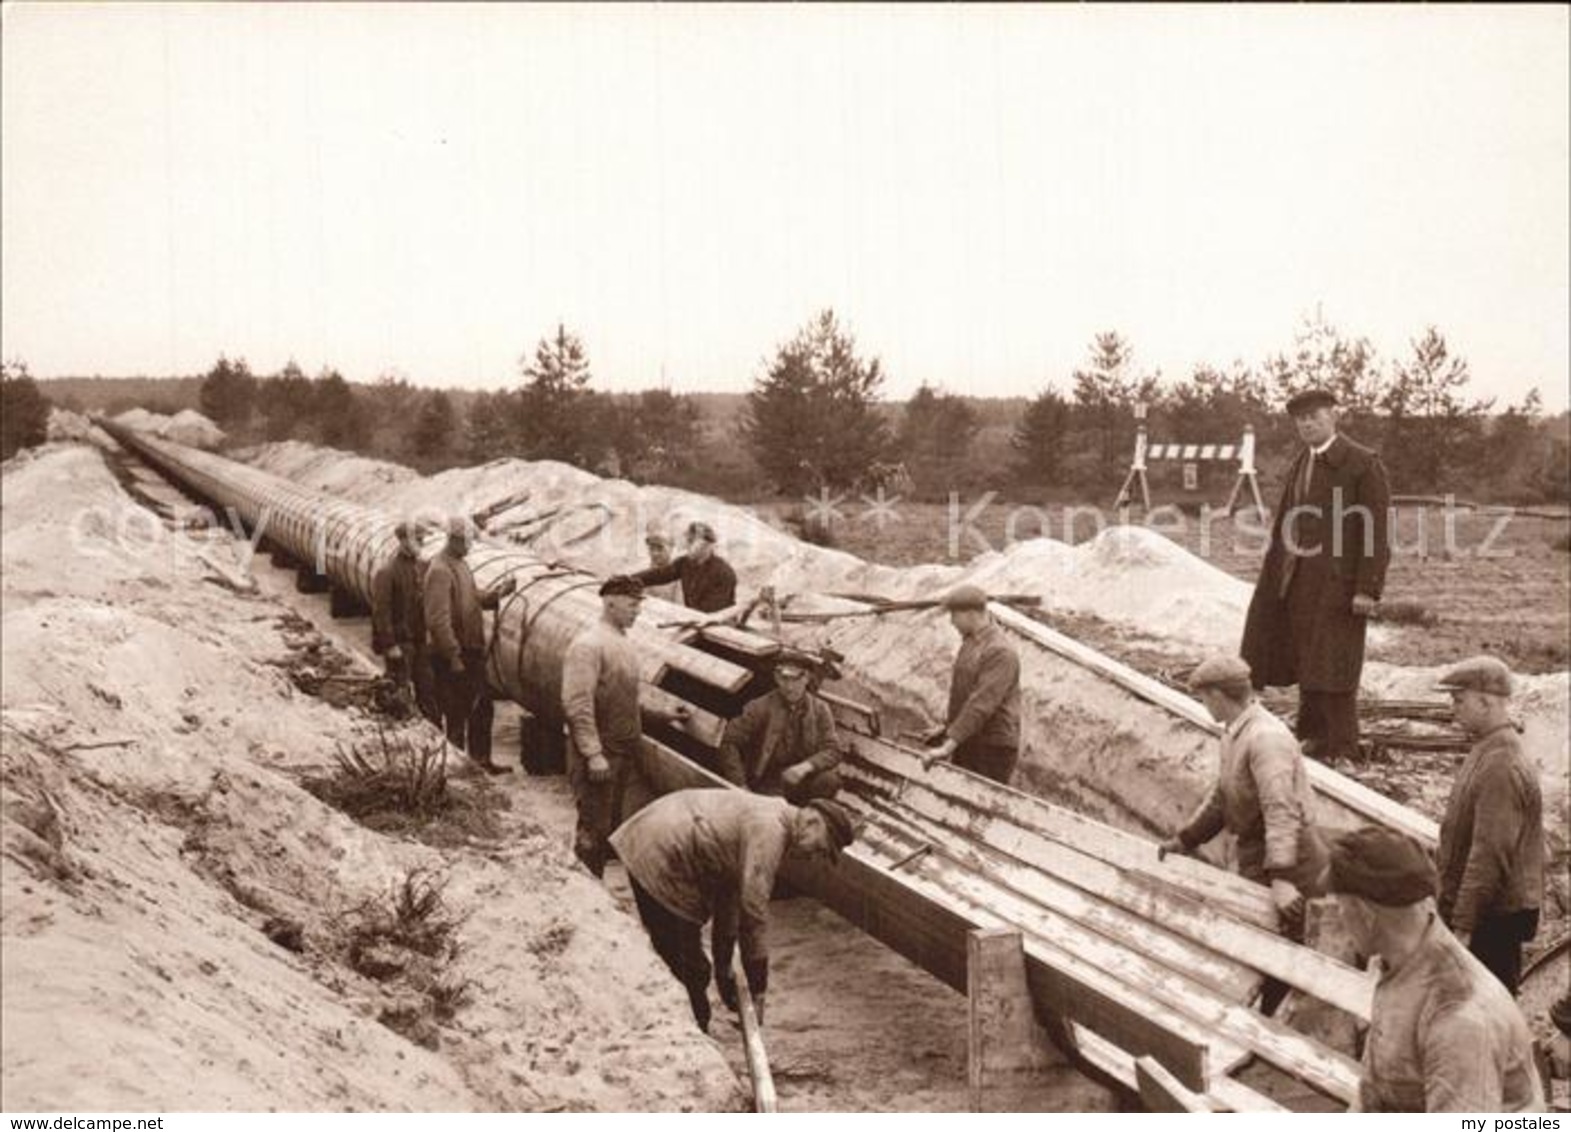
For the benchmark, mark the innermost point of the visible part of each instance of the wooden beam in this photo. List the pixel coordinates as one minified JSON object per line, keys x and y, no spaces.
{"x":1225,"y":1093}
{"x":712,"y":670}
{"x":1160,"y":1091}
{"x":1242,"y":898}
{"x":1004,"y":1036}
{"x":705,"y":726}
{"x":731,"y":637}
{"x":1146,"y":905}
{"x":1338,"y":787}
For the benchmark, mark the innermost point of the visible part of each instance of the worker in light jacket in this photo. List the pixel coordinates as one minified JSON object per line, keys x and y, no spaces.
{"x":699,"y":855}
{"x":982,"y":732}
{"x":1262,"y":794}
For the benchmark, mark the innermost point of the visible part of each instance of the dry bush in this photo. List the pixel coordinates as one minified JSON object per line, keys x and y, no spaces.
{"x":394,"y":772}
{"x":416,"y":920}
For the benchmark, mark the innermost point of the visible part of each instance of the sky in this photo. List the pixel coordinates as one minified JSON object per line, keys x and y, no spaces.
{"x":976,"y":191}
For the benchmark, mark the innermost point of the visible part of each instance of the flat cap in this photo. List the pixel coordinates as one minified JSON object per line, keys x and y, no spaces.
{"x":1382,"y":866}
{"x":837,"y":818}
{"x":792,"y":663}
{"x":966,"y":597}
{"x":459,"y":526}
{"x":699,"y":529}
{"x":1309,"y":400}
{"x":1478,"y":674}
{"x":620,"y":585}
{"x":1219,"y":671}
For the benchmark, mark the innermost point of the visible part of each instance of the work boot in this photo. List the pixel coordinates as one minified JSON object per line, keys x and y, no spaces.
{"x":698,"y":997}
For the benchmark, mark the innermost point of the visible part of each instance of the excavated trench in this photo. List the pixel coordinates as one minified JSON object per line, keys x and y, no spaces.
{"x":852,"y":1026}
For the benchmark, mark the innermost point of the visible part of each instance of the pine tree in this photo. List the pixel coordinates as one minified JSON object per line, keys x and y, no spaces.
{"x":552,"y":422}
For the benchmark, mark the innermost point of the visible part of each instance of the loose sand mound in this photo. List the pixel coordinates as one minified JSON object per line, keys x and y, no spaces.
{"x":156,"y":839}
{"x":187,"y":427}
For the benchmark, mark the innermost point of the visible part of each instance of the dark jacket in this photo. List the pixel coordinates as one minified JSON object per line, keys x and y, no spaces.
{"x":1492,"y":837}
{"x":707,"y":586}
{"x":764,"y":740}
{"x":984,"y":691}
{"x":1301,"y":628}
{"x":397,"y":604}
{"x":452,"y":608}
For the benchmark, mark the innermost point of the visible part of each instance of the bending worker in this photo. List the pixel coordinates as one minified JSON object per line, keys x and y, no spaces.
{"x":398,"y":622}
{"x":1444,"y":1035}
{"x":1261,"y":796}
{"x":697,"y":855}
{"x":784,"y":742}
{"x":458,"y":647}
{"x":983,"y":729}
{"x":1492,"y":836}
{"x":708,"y":582}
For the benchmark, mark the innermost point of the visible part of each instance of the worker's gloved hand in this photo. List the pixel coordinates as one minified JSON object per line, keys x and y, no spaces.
{"x":1171,"y":845}
{"x":598,"y":768}
{"x":1288,"y":900}
{"x":934,"y":735}
{"x":505,"y":586}
{"x":1364,"y":605}
{"x":757,"y":972}
{"x":795,"y":775}
{"x":395,"y":653}
{"x":725,"y":983}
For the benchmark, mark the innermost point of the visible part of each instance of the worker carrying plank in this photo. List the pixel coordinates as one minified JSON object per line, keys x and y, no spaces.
{"x":982,"y":728}
{"x":708,"y":581}
{"x":784,"y":742}
{"x":1492,"y":835}
{"x":700,"y":855}
{"x":1261,"y":796}
{"x":1444,"y":1035}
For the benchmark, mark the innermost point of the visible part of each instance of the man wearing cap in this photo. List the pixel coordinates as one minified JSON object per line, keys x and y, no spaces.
{"x":697,"y":855}
{"x":658,"y":544}
{"x":600,"y":682}
{"x":1491,"y":839}
{"x":983,"y":729}
{"x":398,"y":622}
{"x":784,"y":742}
{"x":1323,"y":576}
{"x":1262,"y":794}
{"x":452,"y":607}
{"x":708,"y":582}
{"x":1444,"y":1035}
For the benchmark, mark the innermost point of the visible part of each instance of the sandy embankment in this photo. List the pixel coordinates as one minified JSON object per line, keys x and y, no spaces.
{"x":153,"y":823}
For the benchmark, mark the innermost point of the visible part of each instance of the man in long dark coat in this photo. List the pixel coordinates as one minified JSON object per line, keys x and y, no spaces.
{"x":1323,"y":577}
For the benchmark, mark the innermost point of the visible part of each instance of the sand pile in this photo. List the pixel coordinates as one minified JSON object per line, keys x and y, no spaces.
{"x":65,"y":425}
{"x":158,"y":844}
{"x":187,"y":427}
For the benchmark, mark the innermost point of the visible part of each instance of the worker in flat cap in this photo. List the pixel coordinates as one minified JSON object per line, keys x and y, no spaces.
{"x":1444,"y":1035}
{"x":1323,"y":577}
{"x":398,"y":633}
{"x":700,"y":855}
{"x":452,"y":605}
{"x":1492,"y":837}
{"x":785,"y":741}
{"x":600,"y":700}
{"x":1261,"y":796}
{"x":658,"y":546}
{"x":982,"y":728}
{"x":708,"y":582}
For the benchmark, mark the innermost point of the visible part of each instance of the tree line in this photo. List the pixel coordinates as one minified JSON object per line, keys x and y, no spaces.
{"x":816,"y":419}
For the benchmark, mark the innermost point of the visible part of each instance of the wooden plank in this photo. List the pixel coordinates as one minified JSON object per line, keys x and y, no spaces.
{"x":865,"y":718}
{"x":1061,"y":982}
{"x":1242,"y":898}
{"x":712,"y":670}
{"x":1160,"y":1091}
{"x":1225,"y":1093}
{"x":1004,"y":1037}
{"x":731,"y":637}
{"x":1081,"y":922}
{"x":705,"y":726}
{"x":1318,"y":974}
{"x":1338,"y":787}
{"x":1300,"y":1057}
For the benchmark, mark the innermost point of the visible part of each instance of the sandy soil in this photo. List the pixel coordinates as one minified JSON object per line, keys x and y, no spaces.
{"x":157,"y":842}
